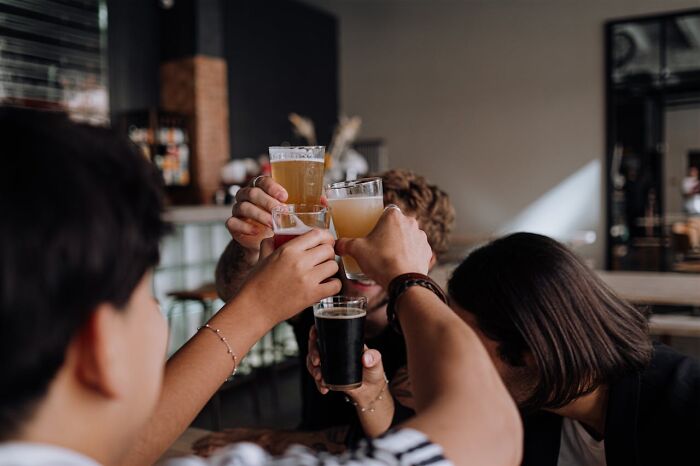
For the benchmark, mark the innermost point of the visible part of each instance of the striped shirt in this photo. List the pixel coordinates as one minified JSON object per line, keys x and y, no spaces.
{"x":402,"y":447}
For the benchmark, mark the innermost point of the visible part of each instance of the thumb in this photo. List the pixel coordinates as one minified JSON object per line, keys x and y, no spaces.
{"x":372,"y":359}
{"x":267,"y":247}
{"x":345,"y":246}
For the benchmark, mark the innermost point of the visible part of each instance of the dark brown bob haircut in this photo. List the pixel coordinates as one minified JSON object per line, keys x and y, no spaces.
{"x":532,"y":295}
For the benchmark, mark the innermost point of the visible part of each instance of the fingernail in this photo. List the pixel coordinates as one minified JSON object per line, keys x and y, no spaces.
{"x":368,"y":358}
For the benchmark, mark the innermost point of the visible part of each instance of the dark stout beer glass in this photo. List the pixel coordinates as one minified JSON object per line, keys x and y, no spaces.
{"x":340,"y":322}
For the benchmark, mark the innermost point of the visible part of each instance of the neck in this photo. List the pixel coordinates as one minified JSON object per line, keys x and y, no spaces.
{"x":589,"y":410}
{"x":66,"y":418}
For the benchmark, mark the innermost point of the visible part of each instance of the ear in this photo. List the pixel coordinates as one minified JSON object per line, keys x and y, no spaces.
{"x":96,"y":351}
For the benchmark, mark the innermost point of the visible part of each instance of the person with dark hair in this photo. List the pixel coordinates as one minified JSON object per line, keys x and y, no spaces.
{"x":82,"y":341}
{"x":328,"y":421}
{"x":576,"y":358}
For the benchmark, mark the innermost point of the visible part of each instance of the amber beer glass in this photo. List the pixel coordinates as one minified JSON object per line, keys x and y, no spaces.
{"x":292,"y":220}
{"x":355,"y":207}
{"x":340,"y":323}
{"x":300,"y":171}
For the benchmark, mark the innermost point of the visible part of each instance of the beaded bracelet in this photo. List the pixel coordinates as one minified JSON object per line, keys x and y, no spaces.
{"x":369,"y":408}
{"x":229,"y":350}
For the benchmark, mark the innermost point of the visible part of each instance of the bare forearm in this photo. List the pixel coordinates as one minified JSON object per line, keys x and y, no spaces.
{"x":205,"y":364}
{"x":232,"y":269}
{"x":460,"y":399}
{"x":376,"y":416}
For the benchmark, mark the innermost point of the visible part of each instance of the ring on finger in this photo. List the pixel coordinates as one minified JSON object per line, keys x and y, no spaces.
{"x":392,"y":206}
{"x":255,"y":181}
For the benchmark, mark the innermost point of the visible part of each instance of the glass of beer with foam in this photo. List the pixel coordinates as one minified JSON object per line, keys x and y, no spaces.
{"x":355,"y":207}
{"x":292,"y":220}
{"x":299,"y":169}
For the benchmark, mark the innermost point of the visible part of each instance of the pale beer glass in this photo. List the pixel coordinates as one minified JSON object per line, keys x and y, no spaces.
{"x":299,"y":169}
{"x":292,"y":220}
{"x":355,"y":207}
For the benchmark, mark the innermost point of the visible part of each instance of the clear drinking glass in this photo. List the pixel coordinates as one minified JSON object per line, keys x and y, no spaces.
{"x":299,"y":169}
{"x":292,"y":220}
{"x":355,"y":207}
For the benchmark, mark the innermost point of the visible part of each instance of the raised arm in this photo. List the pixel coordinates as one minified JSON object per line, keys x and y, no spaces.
{"x":461,"y":402}
{"x":249,"y":224}
{"x":290,"y":279}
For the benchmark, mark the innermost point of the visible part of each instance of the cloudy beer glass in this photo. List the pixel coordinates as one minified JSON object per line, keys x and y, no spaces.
{"x":299,"y":170}
{"x":355,"y":207}
{"x":340,"y":324}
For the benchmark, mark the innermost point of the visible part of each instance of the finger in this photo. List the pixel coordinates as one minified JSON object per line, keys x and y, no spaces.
{"x":258,"y":197}
{"x":236,"y":226}
{"x":321,"y":388}
{"x":311,"y":239}
{"x":324,"y":271}
{"x":345,"y":246}
{"x":324,"y":200}
{"x":330,"y":288}
{"x":315,"y":358}
{"x":272,"y":188}
{"x":248,"y":210}
{"x":371,"y":358}
{"x":318,"y":255}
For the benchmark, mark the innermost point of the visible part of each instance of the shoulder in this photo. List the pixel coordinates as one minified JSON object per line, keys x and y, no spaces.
{"x":671,"y":369}
{"x":670,"y":387}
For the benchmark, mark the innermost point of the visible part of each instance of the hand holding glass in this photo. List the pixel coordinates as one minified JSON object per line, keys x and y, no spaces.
{"x":340,"y":323}
{"x":299,"y":169}
{"x":292,"y":220}
{"x":355,"y":207}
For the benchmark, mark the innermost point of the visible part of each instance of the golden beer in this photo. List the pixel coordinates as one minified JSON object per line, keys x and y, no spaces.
{"x":303,"y":179}
{"x":300,"y":171}
{"x":354,"y":217}
{"x":355,"y":208}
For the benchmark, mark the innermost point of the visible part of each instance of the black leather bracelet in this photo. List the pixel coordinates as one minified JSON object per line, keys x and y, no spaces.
{"x":400,"y":284}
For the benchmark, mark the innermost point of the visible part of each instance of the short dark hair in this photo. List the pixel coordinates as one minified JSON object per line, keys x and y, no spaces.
{"x":81,"y":225}
{"x":531,"y":294}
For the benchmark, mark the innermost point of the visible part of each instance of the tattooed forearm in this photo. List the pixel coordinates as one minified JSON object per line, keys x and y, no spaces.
{"x":232,"y":270}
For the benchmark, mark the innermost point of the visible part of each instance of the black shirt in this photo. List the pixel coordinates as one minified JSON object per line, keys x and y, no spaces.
{"x":652,"y":419}
{"x":330,"y":410}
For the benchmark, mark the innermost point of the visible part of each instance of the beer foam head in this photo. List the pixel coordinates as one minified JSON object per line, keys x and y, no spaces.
{"x":340,"y":313}
{"x":290,"y":225}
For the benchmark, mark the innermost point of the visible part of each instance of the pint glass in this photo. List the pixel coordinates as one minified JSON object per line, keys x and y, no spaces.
{"x":299,"y":170}
{"x":355,"y":207}
{"x":340,"y":324}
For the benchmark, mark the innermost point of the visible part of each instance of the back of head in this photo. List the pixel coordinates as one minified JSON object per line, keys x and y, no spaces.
{"x":429,"y":204}
{"x":531,"y":294}
{"x":80,"y":227}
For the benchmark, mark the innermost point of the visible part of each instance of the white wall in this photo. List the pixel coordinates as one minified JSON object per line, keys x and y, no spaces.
{"x":499,"y":102}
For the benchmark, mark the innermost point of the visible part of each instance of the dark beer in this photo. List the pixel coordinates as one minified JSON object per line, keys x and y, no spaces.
{"x":341,"y":332}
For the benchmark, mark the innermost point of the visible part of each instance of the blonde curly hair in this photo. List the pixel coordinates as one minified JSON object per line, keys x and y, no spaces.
{"x":426,"y":202}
